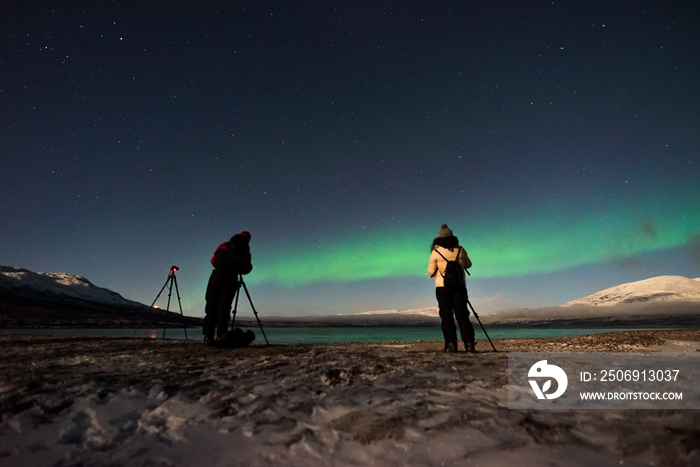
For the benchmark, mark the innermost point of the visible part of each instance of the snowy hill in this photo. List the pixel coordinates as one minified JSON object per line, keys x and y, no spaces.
{"x":56,"y":287}
{"x":659,"y":301}
{"x":30,"y":299}
{"x":429,"y":312}
{"x":655,"y":289}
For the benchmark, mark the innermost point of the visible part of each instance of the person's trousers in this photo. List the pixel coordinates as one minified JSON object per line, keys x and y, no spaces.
{"x":221,"y":291}
{"x":453,"y":305}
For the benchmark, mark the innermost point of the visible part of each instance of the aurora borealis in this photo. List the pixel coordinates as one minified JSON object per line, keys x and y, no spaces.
{"x":560,"y":144}
{"x":516,"y":248}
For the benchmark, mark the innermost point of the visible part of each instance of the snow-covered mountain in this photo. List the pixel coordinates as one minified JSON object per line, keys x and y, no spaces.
{"x":429,"y":312}
{"x":677,"y":294}
{"x":19,"y":284}
{"x":655,"y":289}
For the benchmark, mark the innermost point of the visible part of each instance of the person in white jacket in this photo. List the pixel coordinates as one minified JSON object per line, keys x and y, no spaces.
{"x":452,"y":301}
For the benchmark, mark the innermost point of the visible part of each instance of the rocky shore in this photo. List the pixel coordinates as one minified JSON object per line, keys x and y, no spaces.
{"x":96,"y":401}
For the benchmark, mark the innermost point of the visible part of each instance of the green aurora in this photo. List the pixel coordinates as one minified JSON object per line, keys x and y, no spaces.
{"x":506,"y":248}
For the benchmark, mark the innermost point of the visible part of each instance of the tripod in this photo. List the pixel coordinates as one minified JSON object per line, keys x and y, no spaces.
{"x":482,"y":326}
{"x":235,"y":307}
{"x":168,"y":283}
{"x":478,"y":320}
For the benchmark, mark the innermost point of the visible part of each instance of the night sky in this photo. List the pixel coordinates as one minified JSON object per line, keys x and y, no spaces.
{"x":559,"y":140}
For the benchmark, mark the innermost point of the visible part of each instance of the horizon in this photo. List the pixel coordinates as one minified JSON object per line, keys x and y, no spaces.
{"x":592,"y":310}
{"x":558,"y":144}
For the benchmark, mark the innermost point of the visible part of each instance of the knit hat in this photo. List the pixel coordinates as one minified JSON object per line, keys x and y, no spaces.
{"x":245,"y":234}
{"x":445,"y":231}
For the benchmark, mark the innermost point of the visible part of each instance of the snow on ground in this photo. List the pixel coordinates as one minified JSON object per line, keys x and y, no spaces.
{"x":95,"y":401}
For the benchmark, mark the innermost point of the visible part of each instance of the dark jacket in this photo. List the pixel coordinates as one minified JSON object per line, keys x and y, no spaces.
{"x":233,"y":257}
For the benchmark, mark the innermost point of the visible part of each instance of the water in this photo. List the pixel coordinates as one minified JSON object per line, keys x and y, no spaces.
{"x":322,"y":335}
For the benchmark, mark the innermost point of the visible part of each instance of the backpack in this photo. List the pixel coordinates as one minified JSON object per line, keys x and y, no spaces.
{"x":454,"y":273}
{"x":236,"y":338}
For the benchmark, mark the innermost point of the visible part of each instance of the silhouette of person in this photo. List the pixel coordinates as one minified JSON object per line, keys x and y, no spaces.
{"x":230,"y":259}
{"x":452,"y":301}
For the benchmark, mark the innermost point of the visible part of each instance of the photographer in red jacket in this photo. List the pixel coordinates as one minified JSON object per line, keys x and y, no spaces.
{"x":230,"y":259}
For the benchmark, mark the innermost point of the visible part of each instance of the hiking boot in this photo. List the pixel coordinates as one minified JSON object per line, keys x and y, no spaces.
{"x":471,"y":347}
{"x":208,"y":341}
{"x":451,"y":347}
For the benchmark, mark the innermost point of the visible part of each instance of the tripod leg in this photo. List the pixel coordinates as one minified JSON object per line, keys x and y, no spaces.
{"x":179,"y":302}
{"x":150,"y":307}
{"x":235,"y":306}
{"x":254,"y":311}
{"x":167,"y":308}
{"x":482,"y":326}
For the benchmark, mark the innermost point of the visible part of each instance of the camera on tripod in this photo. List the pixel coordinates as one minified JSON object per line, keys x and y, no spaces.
{"x":169,"y":282}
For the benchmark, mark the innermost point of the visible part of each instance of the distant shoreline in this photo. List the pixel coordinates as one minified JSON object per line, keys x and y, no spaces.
{"x":650,"y":316}
{"x":651,"y":323}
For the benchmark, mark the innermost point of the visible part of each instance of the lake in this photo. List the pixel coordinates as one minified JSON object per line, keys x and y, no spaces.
{"x":321,"y":335}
